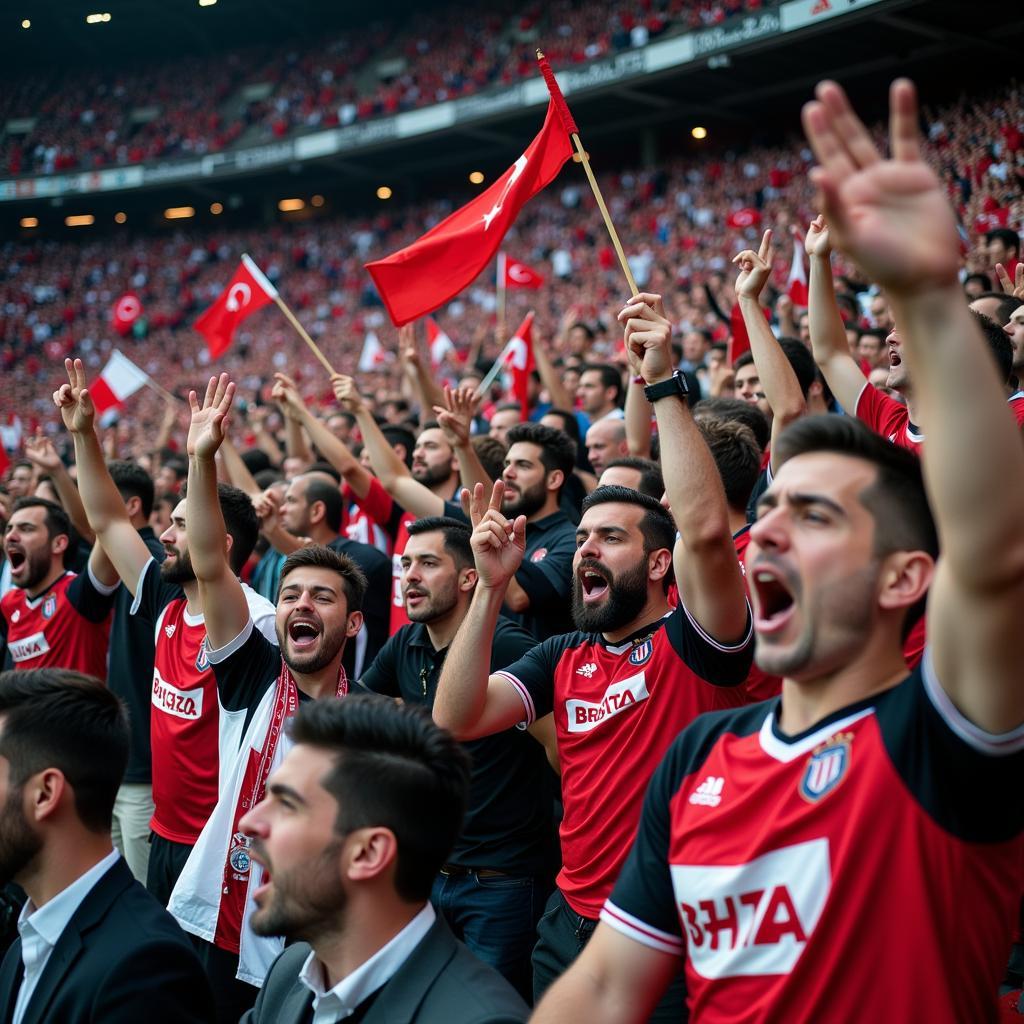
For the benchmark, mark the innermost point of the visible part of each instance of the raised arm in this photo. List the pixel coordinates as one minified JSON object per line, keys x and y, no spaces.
{"x":39,"y":450}
{"x":469,"y":701}
{"x":104,"y":506}
{"x":455,"y":418}
{"x":638,"y":419}
{"x":550,"y":378}
{"x":333,"y":450}
{"x":707,"y":570}
{"x":392,"y":472}
{"x":892,"y":217}
{"x":427,"y":391}
{"x":828,"y":336}
{"x":237,"y":471}
{"x":225,"y":609}
{"x":781,"y":388}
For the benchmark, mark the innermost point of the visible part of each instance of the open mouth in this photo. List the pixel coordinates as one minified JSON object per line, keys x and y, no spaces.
{"x":773,"y":601}
{"x":415,"y":597}
{"x":593,"y":583}
{"x":17,"y":559}
{"x":303,"y":633}
{"x":894,"y":358}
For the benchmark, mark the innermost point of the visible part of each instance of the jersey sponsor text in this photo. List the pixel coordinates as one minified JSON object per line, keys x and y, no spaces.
{"x":186,"y":704}
{"x":583,"y":715}
{"x":28,"y":647}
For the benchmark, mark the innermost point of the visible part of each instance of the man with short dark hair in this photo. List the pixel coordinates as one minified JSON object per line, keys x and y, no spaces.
{"x":599,"y":391}
{"x":354,"y":826}
{"x":51,"y":617}
{"x":643,"y":475}
{"x":635,"y":672}
{"x":259,"y":685}
{"x":504,"y":417}
{"x":1003,"y":246}
{"x":490,"y":890}
{"x":868,"y":800}
{"x":93,"y":945}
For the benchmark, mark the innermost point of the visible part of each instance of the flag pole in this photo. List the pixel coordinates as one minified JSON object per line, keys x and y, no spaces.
{"x":162,"y":392}
{"x":499,"y":326}
{"x":570,"y":126}
{"x":293,"y":320}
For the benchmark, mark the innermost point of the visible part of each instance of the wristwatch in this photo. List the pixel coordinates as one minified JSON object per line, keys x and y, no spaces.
{"x":675,"y":385}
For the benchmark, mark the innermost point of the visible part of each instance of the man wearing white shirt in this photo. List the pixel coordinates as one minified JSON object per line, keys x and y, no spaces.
{"x":93,"y":944}
{"x":355,"y":825}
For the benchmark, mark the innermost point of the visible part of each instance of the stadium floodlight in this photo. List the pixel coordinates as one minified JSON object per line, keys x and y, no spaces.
{"x":179,"y":212}
{"x":80,"y":220}
{"x":207,"y":3}
{"x":97,"y":19}
{"x":476,"y":177}
{"x":384,"y":192}
{"x":317,"y":200}
{"x":699,"y":133}
{"x":120,"y":217}
{"x":291,"y":205}
{"x":216,"y":208}
{"x":29,"y":222}
{"x":26,"y":23}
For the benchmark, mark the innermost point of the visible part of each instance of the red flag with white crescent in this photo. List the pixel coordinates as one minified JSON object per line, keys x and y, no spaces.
{"x":422,"y":276}
{"x":248,"y":291}
{"x":127,"y":310}
{"x":519,"y":275}
{"x":518,"y":357}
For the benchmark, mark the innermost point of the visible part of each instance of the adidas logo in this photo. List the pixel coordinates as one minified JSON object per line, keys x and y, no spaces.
{"x":587,"y":670}
{"x":709,"y":792}
{"x":169,"y":630}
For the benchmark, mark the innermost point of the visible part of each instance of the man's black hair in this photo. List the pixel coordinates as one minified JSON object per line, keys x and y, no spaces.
{"x":801,"y":360}
{"x":319,"y":556}
{"x":56,"y":718}
{"x":585,"y":328}
{"x":330,"y":496}
{"x":983,"y":279}
{"x":178,"y":464}
{"x":395,"y":434}
{"x":572,"y":425}
{"x":556,"y":450}
{"x":132,"y":481}
{"x":610,"y":377}
{"x":737,"y":456}
{"x":456,"y":537}
{"x":256,"y":460}
{"x":1005,"y":305}
{"x":1009,"y":238}
{"x":491,"y":453}
{"x":268,"y":477}
{"x":507,"y":407}
{"x":393,"y":768}
{"x":241,"y":523}
{"x":998,"y":342}
{"x":56,"y":519}
{"x":736,"y":409}
{"x":651,"y":482}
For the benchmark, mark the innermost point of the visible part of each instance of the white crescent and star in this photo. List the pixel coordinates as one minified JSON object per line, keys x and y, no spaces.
{"x":517,"y":169}
{"x":128,"y":307}
{"x":238,"y":296}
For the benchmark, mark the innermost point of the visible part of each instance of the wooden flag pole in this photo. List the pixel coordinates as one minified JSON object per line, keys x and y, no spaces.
{"x":162,"y":392}
{"x":570,"y":127}
{"x":293,"y":320}
{"x":499,"y":325}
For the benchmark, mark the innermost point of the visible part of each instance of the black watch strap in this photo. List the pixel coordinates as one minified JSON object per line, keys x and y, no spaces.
{"x":675,"y":386}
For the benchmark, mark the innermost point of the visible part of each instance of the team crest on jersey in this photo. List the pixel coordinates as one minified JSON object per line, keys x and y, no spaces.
{"x":826,"y":767}
{"x":238,"y":856}
{"x":49,"y":606}
{"x":16,"y":615}
{"x":169,"y":630}
{"x":202,"y":661}
{"x":641,"y":654}
{"x":539,"y":555}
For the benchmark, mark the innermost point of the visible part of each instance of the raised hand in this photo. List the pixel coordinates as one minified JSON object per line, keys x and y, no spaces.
{"x":347,"y":393}
{"x":76,"y":408}
{"x":407,"y":348}
{"x":891,"y":216}
{"x":498,"y":544}
{"x":1014,"y":287}
{"x":648,"y":333}
{"x":267,"y":510}
{"x":286,"y":393}
{"x":456,"y":417}
{"x":39,"y":450}
{"x":817,"y":241}
{"x":755,"y":268}
{"x":207,"y":429}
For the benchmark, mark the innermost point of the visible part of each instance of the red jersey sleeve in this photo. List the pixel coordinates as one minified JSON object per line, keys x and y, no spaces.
{"x":884,"y":415}
{"x":377,"y":504}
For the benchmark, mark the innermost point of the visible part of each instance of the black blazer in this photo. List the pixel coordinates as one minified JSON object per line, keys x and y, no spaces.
{"x":440,"y":983}
{"x":122,"y":959}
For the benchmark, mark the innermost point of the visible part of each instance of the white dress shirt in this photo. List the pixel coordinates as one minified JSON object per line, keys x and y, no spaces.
{"x":341,"y":1001}
{"x":41,"y":928}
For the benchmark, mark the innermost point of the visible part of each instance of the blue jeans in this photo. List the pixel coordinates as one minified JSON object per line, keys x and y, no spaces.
{"x":496,"y":917}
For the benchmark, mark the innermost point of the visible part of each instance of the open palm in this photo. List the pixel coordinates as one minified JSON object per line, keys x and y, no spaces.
{"x":206,"y":431}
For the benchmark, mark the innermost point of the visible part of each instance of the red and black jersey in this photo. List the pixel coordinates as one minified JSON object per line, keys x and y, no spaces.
{"x":66,"y":626}
{"x":617,"y":708}
{"x":869,"y":868}
{"x":886,"y":416}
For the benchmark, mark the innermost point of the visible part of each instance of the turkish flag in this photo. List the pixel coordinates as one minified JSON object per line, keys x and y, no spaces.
{"x":126,"y":311}
{"x":745,"y":217}
{"x":426,"y":274}
{"x":246,"y":292}
{"x":518,"y":356}
{"x":513,"y":274}
{"x":796,"y":285}
{"x":439,"y":342}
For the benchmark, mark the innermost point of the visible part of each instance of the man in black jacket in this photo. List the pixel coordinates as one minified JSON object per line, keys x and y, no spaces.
{"x":93,"y":945}
{"x":353,"y":829}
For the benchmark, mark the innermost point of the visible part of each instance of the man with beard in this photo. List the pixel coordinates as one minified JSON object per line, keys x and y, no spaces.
{"x":351,"y":833}
{"x":868,"y":801}
{"x":184,"y":708}
{"x":93,"y":945}
{"x":539,"y":462}
{"x":491,"y":890}
{"x":635,"y":672}
{"x":260,"y":684}
{"x":311,"y":511}
{"x":51,"y":617}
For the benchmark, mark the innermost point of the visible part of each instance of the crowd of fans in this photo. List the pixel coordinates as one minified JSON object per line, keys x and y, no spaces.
{"x":187,"y":107}
{"x":720,"y":697}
